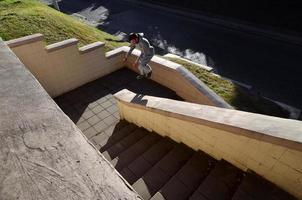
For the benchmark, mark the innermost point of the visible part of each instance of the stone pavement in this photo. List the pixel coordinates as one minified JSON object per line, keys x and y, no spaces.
{"x":93,"y":108}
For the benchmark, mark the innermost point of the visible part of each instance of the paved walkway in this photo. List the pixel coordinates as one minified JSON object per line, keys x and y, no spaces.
{"x":93,"y":108}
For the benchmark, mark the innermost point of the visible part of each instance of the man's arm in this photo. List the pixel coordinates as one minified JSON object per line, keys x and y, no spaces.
{"x":132,"y":47}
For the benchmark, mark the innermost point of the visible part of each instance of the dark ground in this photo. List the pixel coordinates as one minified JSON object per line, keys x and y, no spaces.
{"x":270,"y":66}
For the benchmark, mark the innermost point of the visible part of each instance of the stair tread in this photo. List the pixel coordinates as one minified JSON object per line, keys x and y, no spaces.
{"x":176,"y":190}
{"x":187,"y":179}
{"x":158,"y":196}
{"x":116,"y":135}
{"x":254,"y":187}
{"x":160,"y":169}
{"x":121,"y":124}
{"x":175,"y":159}
{"x":221,"y":182}
{"x":197,"y":196}
{"x":143,"y":163}
{"x":160,"y":173}
{"x":155,"y":154}
{"x":102,"y":139}
{"x":123,"y":144}
{"x":134,"y":151}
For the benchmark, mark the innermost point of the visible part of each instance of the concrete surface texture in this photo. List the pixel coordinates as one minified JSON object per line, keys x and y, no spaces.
{"x":270,"y":146}
{"x":270,"y":66}
{"x":43,"y":155}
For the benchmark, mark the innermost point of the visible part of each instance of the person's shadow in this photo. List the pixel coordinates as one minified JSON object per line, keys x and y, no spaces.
{"x":138,"y":99}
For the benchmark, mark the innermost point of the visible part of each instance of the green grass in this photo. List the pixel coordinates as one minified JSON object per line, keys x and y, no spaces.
{"x":236,"y":96}
{"x":20,"y":18}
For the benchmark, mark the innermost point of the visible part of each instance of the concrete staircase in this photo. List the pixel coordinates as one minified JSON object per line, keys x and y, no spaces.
{"x":161,"y":169}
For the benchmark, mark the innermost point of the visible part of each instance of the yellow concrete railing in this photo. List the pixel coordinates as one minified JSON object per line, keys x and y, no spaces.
{"x":62,"y":66}
{"x":270,"y":146}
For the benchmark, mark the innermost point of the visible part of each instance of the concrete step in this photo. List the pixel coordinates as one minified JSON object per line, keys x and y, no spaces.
{"x":123,"y":144}
{"x":117,"y":135}
{"x":105,"y":137}
{"x":254,"y":187}
{"x":130,"y":154}
{"x":182,"y":185}
{"x":220,"y":184}
{"x":161,"y":173}
{"x":143,"y":163}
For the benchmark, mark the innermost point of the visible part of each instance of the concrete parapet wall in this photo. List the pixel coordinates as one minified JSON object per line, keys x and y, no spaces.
{"x":62,"y":66}
{"x":270,"y":146}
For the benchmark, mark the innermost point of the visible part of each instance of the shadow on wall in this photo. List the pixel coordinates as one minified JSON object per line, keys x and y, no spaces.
{"x":138,"y":99}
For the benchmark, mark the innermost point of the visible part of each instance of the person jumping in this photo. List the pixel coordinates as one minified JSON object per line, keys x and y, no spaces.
{"x":147,"y":52}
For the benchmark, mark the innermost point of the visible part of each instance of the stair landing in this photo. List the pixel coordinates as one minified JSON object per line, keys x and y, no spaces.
{"x":93,"y":108}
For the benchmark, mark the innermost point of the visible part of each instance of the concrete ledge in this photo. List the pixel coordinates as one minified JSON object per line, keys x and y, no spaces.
{"x":270,"y":146}
{"x":61,"y":45}
{"x":91,"y":47}
{"x":43,"y":154}
{"x":25,"y":40}
{"x":205,"y":90}
{"x":207,"y":68}
{"x":274,"y":130}
{"x":115,"y":52}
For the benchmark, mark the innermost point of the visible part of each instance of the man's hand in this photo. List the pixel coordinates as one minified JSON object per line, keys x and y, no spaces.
{"x":125,"y":59}
{"x":135,"y":64}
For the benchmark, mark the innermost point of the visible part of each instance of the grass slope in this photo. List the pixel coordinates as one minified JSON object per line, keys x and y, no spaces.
{"x":20,"y":18}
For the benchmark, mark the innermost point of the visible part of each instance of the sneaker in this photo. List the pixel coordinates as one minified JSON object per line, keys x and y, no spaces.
{"x":149,"y":74}
{"x":139,"y":77}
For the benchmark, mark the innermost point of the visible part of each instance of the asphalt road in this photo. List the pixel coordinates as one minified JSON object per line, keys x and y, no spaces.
{"x":271,"y":67}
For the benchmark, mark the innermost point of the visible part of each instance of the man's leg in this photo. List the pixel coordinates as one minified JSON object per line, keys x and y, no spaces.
{"x":149,"y":69}
{"x":140,"y":69}
{"x":146,"y":69}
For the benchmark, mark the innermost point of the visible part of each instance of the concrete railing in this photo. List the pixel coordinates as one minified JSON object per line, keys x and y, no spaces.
{"x":270,"y":146}
{"x":62,"y":66}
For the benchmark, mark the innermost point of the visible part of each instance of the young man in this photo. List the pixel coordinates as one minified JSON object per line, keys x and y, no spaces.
{"x":147,"y":52}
